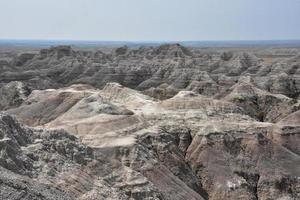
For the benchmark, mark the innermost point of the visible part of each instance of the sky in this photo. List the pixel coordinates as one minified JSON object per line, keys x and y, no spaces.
{"x":150,"y":20}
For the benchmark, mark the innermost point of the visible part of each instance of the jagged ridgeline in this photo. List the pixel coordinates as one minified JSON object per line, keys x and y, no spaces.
{"x":158,"y":71}
{"x":166,"y":122}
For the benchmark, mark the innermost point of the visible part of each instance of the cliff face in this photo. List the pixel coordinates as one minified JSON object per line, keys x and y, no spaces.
{"x":216,"y":126}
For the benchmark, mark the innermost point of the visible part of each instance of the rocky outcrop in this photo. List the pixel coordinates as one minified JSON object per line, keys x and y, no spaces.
{"x":44,"y":106}
{"x":31,"y":159}
{"x":245,"y":163}
{"x":262,"y":105}
{"x":13,"y":95}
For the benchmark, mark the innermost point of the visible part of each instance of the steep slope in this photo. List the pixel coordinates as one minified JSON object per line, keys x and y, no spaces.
{"x":33,"y":162}
{"x":69,"y":170}
{"x":260,"y":104}
{"x":13,"y":95}
{"x":43,"y":106}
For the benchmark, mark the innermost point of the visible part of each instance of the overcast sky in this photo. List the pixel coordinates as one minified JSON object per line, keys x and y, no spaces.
{"x":150,"y":20}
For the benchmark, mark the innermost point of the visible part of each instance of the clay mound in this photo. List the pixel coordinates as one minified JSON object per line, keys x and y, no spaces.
{"x":43,"y":106}
{"x":185,"y":100}
{"x":86,"y":112}
{"x":119,"y":94}
{"x":260,"y":104}
{"x":171,"y":50}
{"x":94,"y":105}
{"x":283,"y":83}
{"x":247,"y":59}
{"x":57,"y":52}
{"x":289,"y":66}
{"x":235,"y":64}
{"x":100,"y":123}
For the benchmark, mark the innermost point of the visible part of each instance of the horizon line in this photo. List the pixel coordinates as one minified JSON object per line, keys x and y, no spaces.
{"x":148,"y":41}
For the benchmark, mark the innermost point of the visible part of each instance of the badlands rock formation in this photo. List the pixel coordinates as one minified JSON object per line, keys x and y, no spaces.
{"x":160,"y":71}
{"x":164,"y":122}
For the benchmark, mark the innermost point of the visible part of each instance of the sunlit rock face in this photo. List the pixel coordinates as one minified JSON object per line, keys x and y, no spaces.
{"x":165,"y":122}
